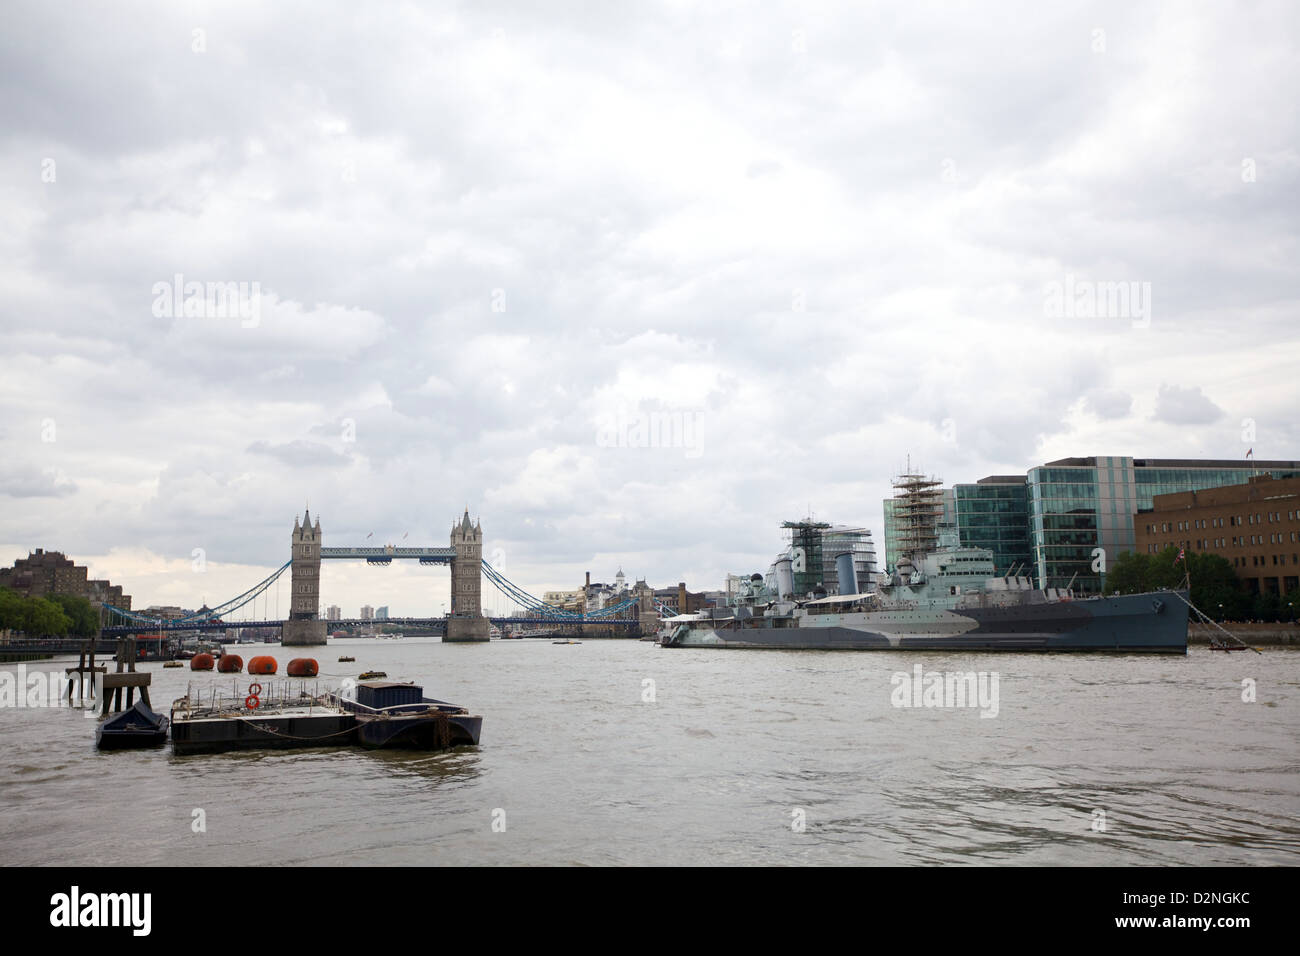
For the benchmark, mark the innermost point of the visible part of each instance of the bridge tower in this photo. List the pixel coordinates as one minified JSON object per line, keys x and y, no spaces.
{"x":466,"y":621}
{"x":302,"y":627}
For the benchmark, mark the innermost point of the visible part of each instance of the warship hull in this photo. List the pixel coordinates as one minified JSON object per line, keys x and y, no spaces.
{"x":1151,"y":623}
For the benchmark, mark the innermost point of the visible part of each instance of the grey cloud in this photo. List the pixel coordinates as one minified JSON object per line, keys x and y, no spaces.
{"x":1108,"y":404}
{"x":648,"y":190}
{"x":26,"y":481}
{"x":300,"y":453}
{"x":1177,"y":405}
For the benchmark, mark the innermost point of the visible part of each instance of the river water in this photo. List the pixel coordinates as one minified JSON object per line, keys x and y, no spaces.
{"x":621,"y":752}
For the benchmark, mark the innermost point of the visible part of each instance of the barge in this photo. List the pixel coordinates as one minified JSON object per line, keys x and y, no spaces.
{"x":288,"y":714}
{"x":279,"y":715}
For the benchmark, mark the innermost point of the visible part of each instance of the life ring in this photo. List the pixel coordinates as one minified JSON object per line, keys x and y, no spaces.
{"x":251,"y":702}
{"x":254,"y":689}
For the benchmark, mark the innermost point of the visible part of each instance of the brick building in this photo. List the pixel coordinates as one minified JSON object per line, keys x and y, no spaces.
{"x":680,"y":600}
{"x":43,"y":573}
{"x":1255,"y":525}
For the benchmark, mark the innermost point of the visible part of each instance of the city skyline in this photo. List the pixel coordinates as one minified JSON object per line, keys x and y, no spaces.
{"x":635,"y":293}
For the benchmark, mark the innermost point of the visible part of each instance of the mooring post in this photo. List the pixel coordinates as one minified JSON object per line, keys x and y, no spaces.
{"x":76,"y":675}
{"x":130,"y":666}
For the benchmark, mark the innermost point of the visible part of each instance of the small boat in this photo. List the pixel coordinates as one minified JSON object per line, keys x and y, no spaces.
{"x":1224,"y":646}
{"x":346,"y":660}
{"x":137,"y":727}
{"x":372,"y":675}
{"x":173,"y":663}
{"x":566,"y":642}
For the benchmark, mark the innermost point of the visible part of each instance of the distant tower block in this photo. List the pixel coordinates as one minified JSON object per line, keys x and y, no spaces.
{"x":302,"y":627}
{"x":466,"y":621}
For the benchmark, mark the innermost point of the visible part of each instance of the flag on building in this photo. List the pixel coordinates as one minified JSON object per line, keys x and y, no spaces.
{"x":1251,"y":453}
{"x":369,"y":536}
{"x":1181,"y":556}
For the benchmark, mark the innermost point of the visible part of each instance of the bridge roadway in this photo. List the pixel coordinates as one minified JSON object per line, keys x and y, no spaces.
{"x":145,"y":630}
{"x":389,"y":552}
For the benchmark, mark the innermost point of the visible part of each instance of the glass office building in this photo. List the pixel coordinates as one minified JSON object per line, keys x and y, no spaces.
{"x":1071,"y":518}
{"x":993,"y":513}
{"x":1081,"y":510}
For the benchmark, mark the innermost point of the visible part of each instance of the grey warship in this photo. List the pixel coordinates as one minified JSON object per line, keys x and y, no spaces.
{"x":946,"y":597}
{"x":954,"y":603}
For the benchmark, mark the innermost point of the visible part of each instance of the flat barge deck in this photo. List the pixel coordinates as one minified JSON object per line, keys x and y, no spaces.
{"x":282,"y":717}
{"x":288,"y":714}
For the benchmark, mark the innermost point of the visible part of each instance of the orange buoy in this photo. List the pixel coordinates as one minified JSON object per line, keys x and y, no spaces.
{"x":262,"y":665}
{"x":201,"y":662}
{"x":230,"y":664}
{"x":302,"y":667}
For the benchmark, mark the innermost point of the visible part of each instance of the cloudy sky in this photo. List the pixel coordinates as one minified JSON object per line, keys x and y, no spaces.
{"x":634,"y":283}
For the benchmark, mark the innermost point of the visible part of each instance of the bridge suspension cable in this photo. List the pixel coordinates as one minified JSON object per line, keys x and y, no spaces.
{"x":530,"y":603}
{"x":221,"y":610}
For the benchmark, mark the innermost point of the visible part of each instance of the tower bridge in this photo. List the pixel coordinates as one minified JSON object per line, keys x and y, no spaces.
{"x":465,"y":555}
{"x":304,"y":625}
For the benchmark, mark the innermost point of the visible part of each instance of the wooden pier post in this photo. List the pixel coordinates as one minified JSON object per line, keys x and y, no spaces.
{"x":78,"y":675}
{"x":125,"y":676}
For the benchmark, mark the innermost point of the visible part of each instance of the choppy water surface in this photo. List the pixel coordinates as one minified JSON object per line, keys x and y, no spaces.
{"x":712,"y":771}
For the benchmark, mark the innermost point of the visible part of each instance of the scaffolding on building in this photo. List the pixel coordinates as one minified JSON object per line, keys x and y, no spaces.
{"x":917,"y":511}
